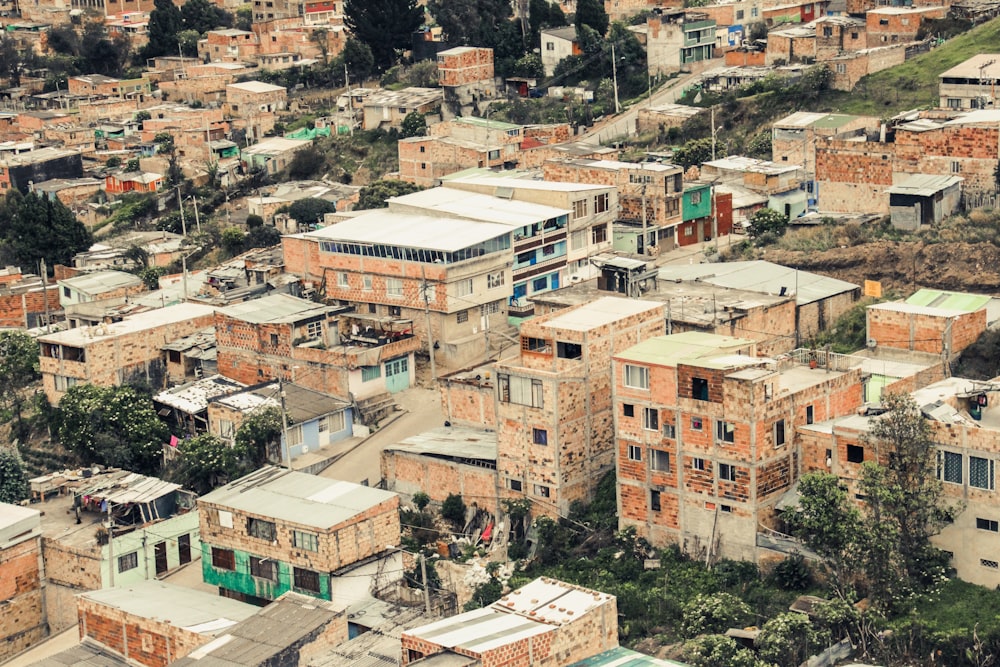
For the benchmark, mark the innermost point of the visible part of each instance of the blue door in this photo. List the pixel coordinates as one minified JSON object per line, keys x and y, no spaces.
{"x":397,"y":374}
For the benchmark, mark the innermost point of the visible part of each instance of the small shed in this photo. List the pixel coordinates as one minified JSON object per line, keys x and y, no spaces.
{"x":923,"y":200}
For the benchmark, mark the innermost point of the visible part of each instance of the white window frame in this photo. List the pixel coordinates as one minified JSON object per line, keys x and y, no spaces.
{"x":635,"y":377}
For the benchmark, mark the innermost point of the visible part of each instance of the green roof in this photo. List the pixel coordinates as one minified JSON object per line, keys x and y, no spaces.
{"x":687,"y":346}
{"x":623,"y":657}
{"x":833,"y":121}
{"x":487,"y":123}
{"x":933,"y":298}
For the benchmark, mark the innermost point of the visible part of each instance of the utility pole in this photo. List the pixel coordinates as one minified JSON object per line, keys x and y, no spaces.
{"x":350,"y":101}
{"x":614,"y":72}
{"x":713,"y":133}
{"x":197,"y":220}
{"x":45,"y":297}
{"x":645,"y":241}
{"x":715,"y":217}
{"x":180,"y":206}
{"x":427,"y":319}
{"x":423,"y":574}
{"x":286,"y":453}
{"x":111,"y":548}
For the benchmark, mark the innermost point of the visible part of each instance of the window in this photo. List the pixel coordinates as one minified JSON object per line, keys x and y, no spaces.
{"x":696,"y":197}
{"x":950,"y":467}
{"x":634,"y":453}
{"x":294,"y":436}
{"x":697,"y":464}
{"x":394,"y":287}
{"x":343,"y":280}
{"x":987,"y":524}
{"x":520,"y":390}
{"x":579,"y":209}
{"x":841,"y":68}
{"x":628,"y":410}
{"x":578,"y":240}
{"x":601,"y":203}
{"x":739,"y":14}
{"x":539,"y":436}
{"x":599,"y":233}
{"x":992,"y":564}
{"x":223,"y":559}
{"x":568,"y":350}
{"x":669,"y":431}
{"x":540,"y":284}
{"x":514,"y":484}
{"x":699,"y":389}
{"x":335,"y":422}
{"x":956,"y":167}
{"x":274,"y":340}
{"x":306,"y":580}
{"x":262,"y":530}
{"x":541,"y":491}
{"x":727,"y":472}
{"x":753,"y":12}
{"x":954,"y":103}
{"x":462,"y":316}
{"x":981,"y":473}
{"x":67,"y":292}
{"x":494,"y":280}
{"x":314,"y":329}
{"x":550,"y":46}
{"x":696,"y":423}
{"x":367,"y":280}
{"x":659,"y":460}
{"x":827,"y":31}
{"x":725,"y":431}
{"x":394,"y":311}
{"x":636,"y":377}
{"x":307,"y":541}
{"x":779,"y":433}
{"x":490,"y":308}
{"x":369,"y":373}
{"x":651,"y":419}
{"x":63,"y":382}
{"x":128,"y":562}
{"x":463,"y":287}
{"x":809,"y":414}
{"x":530,"y":344}
{"x":654,"y":501}
{"x":855,"y":454}
{"x":263,"y":568}
{"x":397,"y":367}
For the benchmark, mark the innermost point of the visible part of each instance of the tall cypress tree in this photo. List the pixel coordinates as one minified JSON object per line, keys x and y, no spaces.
{"x":165,"y":21}
{"x":386,"y":26}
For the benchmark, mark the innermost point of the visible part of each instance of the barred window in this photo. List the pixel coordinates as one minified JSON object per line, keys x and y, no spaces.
{"x":981,"y":473}
{"x":950,"y":467}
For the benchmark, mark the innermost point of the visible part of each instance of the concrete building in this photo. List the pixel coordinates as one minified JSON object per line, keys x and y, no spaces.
{"x":154,"y":530}
{"x":26,"y":302}
{"x":22,"y":169}
{"x":276,"y":530}
{"x":932,"y":321}
{"x":285,"y":337}
{"x":393,"y":266}
{"x":252,"y":98}
{"x":554,"y":402}
{"x":677,"y":39}
{"x":964,"y":86}
{"x":545,"y":623}
{"x":185,"y":407}
{"x":110,"y":354}
{"x":662,"y":117}
{"x":100,"y":285}
{"x":898,"y":25}
{"x":923,"y":200}
{"x":22,"y":619}
{"x":154,"y":623}
{"x":658,"y":186}
{"x":839,"y":34}
{"x":272,"y":154}
{"x":705,"y":437}
{"x":783,"y":184}
{"x":819,"y":299}
{"x":557,"y":44}
{"x":388,"y":108}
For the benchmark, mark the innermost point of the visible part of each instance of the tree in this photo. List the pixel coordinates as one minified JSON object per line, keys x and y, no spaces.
{"x":765,"y":223}
{"x":829,"y":523}
{"x":244,"y":17}
{"x":453,"y":509}
{"x":204,"y":463}
{"x":254,"y":220}
{"x":414,"y":125}
{"x":693,"y":153}
{"x":421,"y":500}
{"x":188,"y":42}
{"x":14,"y":485}
{"x":202,"y":16}
{"x":714,"y":614}
{"x":33,"y":227}
{"x":264,"y":236}
{"x":788,"y":639}
{"x":258,"y":439}
{"x":359,"y":59}
{"x":386,"y":26}
{"x":719,"y":651}
{"x":529,"y":66}
{"x":485,"y":23}
{"x":165,"y":21}
{"x":112,"y":426}
{"x":102,"y":54}
{"x":14,"y":59}
{"x":591,"y":13}
{"x":376,"y":194}
{"x":904,"y":507}
{"x":233,"y":239}
{"x":309,"y":210}
{"x":306,"y":163}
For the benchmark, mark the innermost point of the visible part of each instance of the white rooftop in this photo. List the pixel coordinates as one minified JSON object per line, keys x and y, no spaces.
{"x":478,"y":207}
{"x":256,"y":87}
{"x":101,"y":281}
{"x":986,"y":65}
{"x":83,"y":336}
{"x":194,"y":396}
{"x":601,"y":312}
{"x":526,"y":183}
{"x":411,"y":231}
{"x":275,"y":145}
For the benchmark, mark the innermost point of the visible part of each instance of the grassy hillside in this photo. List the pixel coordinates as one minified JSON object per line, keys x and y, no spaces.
{"x":914,"y":84}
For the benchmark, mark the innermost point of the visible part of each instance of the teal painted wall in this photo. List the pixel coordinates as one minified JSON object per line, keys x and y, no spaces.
{"x":703,"y":208}
{"x":242,"y":581}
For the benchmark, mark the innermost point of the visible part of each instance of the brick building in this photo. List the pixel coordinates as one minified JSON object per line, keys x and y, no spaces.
{"x":839,"y":34}
{"x":792,"y":44}
{"x":961,"y":87}
{"x":22,"y":169}
{"x":854,"y":173}
{"x":662,"y":117}
{"x":387,"y":108}
{"x":282,"y":336}
{"x":467,"y":76}
{"x":783,"y":184}
{"x":705,"y":437}
{"x":394,"y":265}
{"x":99,"y":285}
{"x":446,"y":460}
{"x":545,"y":623}
{"x":554,"y":419}
{"x":111,"y":354}
{"x":942,"y":323}
{"x":897,"y":25}
{"x":272,"y":154}
{"x":659,"y":186}
{"x":257,"y":103}
{"x":154,"y":623}
{"x":22,"y":621}
{"x":26,"y":302}
{"x":276,"y":530}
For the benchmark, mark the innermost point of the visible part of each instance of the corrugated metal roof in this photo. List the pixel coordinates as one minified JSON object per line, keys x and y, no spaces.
{"x":924,"y":185}
{"x":181,"y":607}
{"x":194,"y":396}
{"x":600,"y":313}
{"x":623,"y":657}
{"x":475,"y":206}
{"x":458,"y":441}
{"x":677,"y":348}
{"x":761,"y":276}
{"x":297,"y":497}
{"x":101,"y":281}
{"x":88,"y":653}
{"x":283,"y":308}
{"x":411,"y":231}
{"x":949,"y":300}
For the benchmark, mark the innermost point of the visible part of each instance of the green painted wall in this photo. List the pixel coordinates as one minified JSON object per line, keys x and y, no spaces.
{"x":143,"y":541}
{"x":242,"y":581}
{"x":703,"y":208}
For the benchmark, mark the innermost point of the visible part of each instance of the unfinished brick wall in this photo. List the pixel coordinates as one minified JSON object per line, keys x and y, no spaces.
{"x":24,"y":308}
{"x":464,"y":67}
{"x":469,"y":402}
{"x":969,"y":151}
{"x":407,"y":473}
{"x":21,"y":620}
{"x":924,"y":332}
{"x":854,"y":176}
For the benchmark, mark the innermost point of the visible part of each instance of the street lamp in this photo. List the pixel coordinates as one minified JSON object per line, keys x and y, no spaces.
{"x":423,"y":573}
